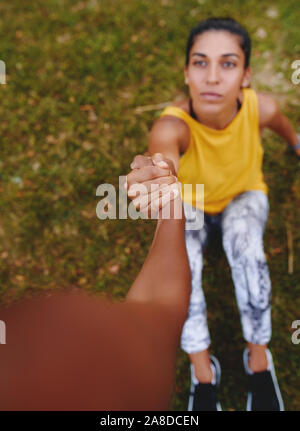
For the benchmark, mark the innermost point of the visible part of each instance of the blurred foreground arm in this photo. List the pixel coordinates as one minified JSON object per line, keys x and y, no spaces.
{"x":77,"y":351}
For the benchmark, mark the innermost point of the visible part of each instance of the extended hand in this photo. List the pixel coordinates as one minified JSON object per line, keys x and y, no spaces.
{"x":153,"y":179}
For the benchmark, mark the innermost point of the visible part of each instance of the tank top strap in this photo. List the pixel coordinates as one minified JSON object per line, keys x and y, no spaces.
{"x":174,"y":111}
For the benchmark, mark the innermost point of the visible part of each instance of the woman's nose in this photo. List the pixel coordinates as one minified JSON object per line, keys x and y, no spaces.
{"x":213,"y":75}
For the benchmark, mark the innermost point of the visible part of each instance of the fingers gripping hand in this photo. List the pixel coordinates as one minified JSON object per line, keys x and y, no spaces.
{"x":147,"y":171}
{"x":152,"y":178}
{"x":157,"y":197}
{"x":157,"y":159}
{"x":160,"y":203}
{"x":141,"y":161}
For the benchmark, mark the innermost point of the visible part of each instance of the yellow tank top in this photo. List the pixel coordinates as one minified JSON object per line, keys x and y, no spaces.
{"x":228,"y":161}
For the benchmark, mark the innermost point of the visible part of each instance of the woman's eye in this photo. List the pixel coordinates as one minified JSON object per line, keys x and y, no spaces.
{"x":228,"y":64}
{"x":200,"y":63}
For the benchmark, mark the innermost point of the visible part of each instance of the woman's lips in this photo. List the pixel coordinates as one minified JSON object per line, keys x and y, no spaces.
{"x":211,"y":96}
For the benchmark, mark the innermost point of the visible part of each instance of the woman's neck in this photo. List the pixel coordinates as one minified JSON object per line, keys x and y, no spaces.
{"x":219,"y":122}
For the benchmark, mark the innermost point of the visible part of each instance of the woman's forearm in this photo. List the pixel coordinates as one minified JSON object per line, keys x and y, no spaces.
{"x":283,"y":127}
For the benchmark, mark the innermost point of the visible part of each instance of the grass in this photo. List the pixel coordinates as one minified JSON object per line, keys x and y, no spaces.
{"x":76,"y":72}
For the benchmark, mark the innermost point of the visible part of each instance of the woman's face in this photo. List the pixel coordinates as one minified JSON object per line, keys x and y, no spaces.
{"x":215,"y":72}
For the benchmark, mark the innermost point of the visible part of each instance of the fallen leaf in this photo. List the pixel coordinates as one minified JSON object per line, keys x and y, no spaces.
{"x":87,"y":145}
{"x":78,"y":7}
{"x":272,"y":12}
{"x":92,"y":117}
{"x":20,"y":278}
{"x":28,"y":182}
{"x":50,"y":139}
{"x":114,"y":269}
{"x":63,"y":38}
{"x":86,"y":108}
{"x":276,"y":250}
{"x":88,"y":214}
{"x":36,"y":166}
{"x":101,"y":272}
{"x":261,"y":33}
{"x":134,"y":38}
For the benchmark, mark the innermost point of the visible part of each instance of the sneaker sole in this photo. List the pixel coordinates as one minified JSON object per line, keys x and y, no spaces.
{"x":274,"y":378}
{"x":216,"y":363}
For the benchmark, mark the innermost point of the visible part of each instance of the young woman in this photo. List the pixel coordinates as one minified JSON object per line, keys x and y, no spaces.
{"x":213,"y":138}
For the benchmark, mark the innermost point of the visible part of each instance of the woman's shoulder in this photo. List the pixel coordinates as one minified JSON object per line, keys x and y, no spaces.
{"x":175,"y":117}
{"x":267,"y":107}
{"x":172,"y":125}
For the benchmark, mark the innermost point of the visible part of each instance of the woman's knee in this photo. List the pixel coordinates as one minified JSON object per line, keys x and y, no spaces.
{"x":243,"y":245}
{"x":251,"y":206}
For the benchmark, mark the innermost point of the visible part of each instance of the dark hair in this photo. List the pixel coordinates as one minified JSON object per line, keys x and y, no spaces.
{"x":221,"y":24}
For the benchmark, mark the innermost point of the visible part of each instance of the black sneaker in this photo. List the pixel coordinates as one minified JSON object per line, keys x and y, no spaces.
{"x":204,"y":396}
{"x":264,"y":393}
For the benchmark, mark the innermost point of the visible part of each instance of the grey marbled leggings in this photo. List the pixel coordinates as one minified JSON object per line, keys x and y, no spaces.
{"x":242,"y":225}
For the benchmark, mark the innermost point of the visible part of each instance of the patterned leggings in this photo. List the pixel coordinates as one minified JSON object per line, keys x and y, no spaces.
{"x":242,"y":225}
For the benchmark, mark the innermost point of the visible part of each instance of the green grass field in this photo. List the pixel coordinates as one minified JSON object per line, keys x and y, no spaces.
{"x":76,"y":73}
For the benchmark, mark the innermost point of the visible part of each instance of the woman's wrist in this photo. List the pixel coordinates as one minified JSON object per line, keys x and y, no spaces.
{"x":297,"y":146}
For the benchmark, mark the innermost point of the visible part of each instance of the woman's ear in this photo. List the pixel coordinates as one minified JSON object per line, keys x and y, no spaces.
{"x":186,"y":79}
{"x":247,"y":78}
